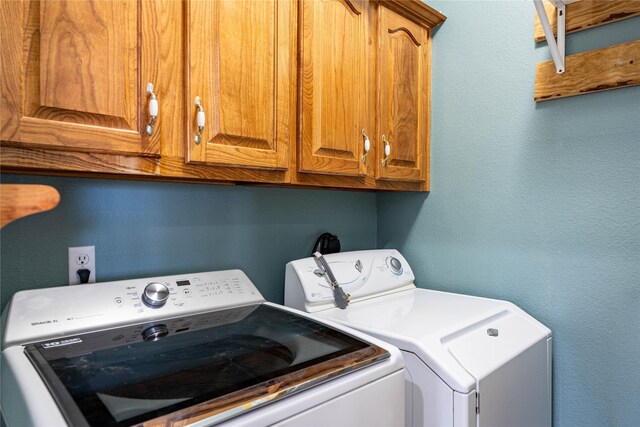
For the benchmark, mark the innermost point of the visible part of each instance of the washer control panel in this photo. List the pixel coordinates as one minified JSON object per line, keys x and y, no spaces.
{"x":362,"y":274}
{"x":40,"y":313}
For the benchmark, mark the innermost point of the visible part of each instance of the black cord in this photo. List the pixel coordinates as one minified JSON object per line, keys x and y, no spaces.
{"x":326,"y":243}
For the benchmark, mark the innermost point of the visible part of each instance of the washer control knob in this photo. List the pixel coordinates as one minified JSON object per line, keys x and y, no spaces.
{"x":155,"y":332}
{"x":395,"y":265}
{"x":155,"y":295}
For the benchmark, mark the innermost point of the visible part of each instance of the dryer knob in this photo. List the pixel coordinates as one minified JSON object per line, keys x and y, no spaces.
{"x":155,"y":295}
{"x":395,"y":265}
{"x":155,"y":332}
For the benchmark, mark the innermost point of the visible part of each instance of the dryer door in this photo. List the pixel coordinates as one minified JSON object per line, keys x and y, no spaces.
{"x":510,"y":358}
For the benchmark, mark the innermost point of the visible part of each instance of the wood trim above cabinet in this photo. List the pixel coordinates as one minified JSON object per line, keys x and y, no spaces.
{"x":417,"y":11}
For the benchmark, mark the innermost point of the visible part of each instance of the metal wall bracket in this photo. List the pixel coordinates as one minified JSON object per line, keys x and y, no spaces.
{"x":556,"y":47}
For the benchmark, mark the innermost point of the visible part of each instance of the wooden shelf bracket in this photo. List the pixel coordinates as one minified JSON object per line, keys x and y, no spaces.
{"x":556,"y":47}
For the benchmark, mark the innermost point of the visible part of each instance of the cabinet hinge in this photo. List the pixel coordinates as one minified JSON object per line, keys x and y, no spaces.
{"x":477,"y":403}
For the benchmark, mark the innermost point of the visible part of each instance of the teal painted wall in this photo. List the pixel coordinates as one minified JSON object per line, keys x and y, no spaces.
{"x":534,"y":203}
{"x":143,"y":229}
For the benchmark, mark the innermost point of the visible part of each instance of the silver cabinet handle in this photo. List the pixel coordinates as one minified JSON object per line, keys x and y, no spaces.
{"x":367,"y":146}
{"x":153,"y":109}
{"x":387,"y":151}
{"x":199,"y":119}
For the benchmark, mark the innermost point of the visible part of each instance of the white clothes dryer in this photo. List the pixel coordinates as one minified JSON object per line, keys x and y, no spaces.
{"x":469,"y":361}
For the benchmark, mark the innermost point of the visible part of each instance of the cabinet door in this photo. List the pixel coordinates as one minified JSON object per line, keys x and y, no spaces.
{"x":242,"y":67}
{"x":403,"y":98}
{"x":75,"y":73}
{"x":337,"y":93}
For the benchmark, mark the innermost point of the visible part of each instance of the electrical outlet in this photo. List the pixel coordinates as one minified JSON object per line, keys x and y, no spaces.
{"x":82,"y":258}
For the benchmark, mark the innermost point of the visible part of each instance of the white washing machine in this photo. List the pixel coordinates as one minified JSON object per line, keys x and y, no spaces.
{"x":469,"y":361}
{"x":191,"y":350}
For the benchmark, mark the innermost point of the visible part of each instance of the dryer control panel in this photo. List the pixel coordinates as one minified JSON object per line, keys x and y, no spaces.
{"x":362,"y":274}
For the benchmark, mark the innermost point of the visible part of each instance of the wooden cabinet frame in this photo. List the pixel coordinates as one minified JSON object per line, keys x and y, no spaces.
{"x":45,"y":133}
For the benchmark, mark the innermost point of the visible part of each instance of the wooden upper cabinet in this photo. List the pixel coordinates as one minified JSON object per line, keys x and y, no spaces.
{"x":290,"y":91}
{"x":337,"y":93}
{"x":242,"y":67}
{"x":74,"y":74}
{"x":404,"y":85}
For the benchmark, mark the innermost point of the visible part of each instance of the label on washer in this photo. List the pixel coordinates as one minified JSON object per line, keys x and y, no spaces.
{"x":60,"y":343}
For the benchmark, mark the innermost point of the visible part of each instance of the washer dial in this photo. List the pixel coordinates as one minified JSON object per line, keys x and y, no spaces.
{"x":394,"y":265}
{"x":154,"y":333}
{"x":155,"y":295}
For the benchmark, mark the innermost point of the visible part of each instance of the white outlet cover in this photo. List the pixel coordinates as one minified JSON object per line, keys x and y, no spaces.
{"x":82,"y":257}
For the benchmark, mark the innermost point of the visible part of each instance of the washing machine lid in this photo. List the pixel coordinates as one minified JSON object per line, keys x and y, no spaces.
{"x":445,"y":330}
{"x":212,"y":365}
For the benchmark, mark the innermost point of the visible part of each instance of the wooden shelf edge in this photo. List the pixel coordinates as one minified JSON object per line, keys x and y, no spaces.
{"x":613,"y":67}
{"x":587,"y":14}
{"x":19,"y":200}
